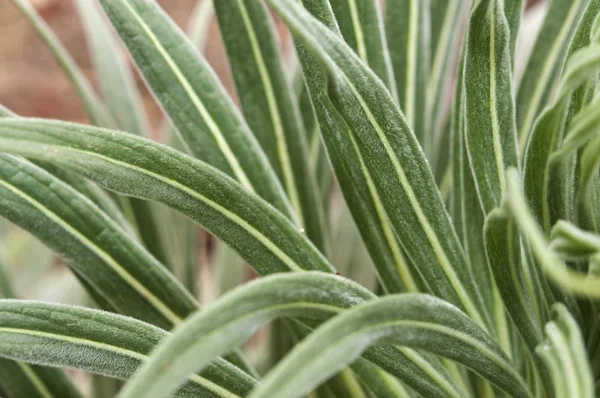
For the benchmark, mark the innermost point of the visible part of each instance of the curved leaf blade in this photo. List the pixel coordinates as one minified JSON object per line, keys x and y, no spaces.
{"x":413,"y":320}
{"x":141,"y":168}
{"x":193,"y":98}
{"x":100,"y":342}
{"x":104,"y":256}
{"x":229,"y":322}
{"x":267,"y":104}
{"x":389,"y":148}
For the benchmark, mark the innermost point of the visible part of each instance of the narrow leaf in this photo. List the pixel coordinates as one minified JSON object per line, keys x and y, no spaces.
{"x":191,"y":95}
{"x":138,"y":167}
{"x":546,"y":62}
{"x":405,"y":24}
{"x":412,"y":320}
{"x":102,"y":343}
{"x":265,"y":97}
{"x":394,"y":160}
{"x":490,"y":124}
{"x":229,"y":322}
{"x":114,"y":266}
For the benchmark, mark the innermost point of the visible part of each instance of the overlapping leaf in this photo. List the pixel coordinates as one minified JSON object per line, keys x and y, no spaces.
{"x":312,"y":297}
{"x":102,"y":343}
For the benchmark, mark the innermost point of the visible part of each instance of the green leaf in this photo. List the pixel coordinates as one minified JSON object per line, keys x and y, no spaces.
{"x":361,"y":26}
{"x":564,"y":352}
{"x":92,"y":104}
{"x":101,"y":343}
{"x":114,"y":77}
{"x":570,"y":280}
{"x":490,"y":124}
{"x":18,"y":379}
{"x":513,"y":9}
{"x":393,"y":162}
{"x":233,"y":319}
{"x":545,"y":63}
{"x":267,"y":104}
{"x":412,"y":320}
{"x":405,"y":25}
{"x":101,"y":254}
{"x":446,"y":32}
{"x":353,"y":177}
{"x":138,"y":167}
{"x":193,"y":98}
{"x":572,"y":243}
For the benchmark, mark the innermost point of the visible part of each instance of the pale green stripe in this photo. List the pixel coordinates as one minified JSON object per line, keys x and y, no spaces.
{"x":209,"y":385}
{"x":233,"y":217}
{"x":282,"y":150}
{"x":545,"y":75}
{"x":411,"y":65}
{"x":214,"y":128}
{"x":358,"y":32}
{"x":35,"y":380}
{"x":122,"y":272}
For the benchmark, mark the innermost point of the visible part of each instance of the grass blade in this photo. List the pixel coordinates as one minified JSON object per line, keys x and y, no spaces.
{"x":542,"y":68}
{"x":405,"y":24}
{"x":267,"y":104}
{"x":193,"y":98}
{"x":104,"y":256}
{"x":361,"y":26}
{"x":564,"y":352}
{"x":413,"y":320}
{"x":101,"y":343}
{"x":138,"y":167}
{"x":229,"y":322}
{"x":378,"y":128}
{"x":490,"y":124}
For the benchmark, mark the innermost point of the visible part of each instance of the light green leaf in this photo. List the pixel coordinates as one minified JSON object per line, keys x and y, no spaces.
{"x":361,"y":25}
{"x":412,"y":320}
{"x":573,"y":243}
{"x":113,"y":266}
{"x":405,"y":25}
{"x":265,"y":96}
{"x":565,"y":354}
{"x":93,"y":106}
{"x":570,"y":280}
{"x":101,"y":343}
{"x":233,"y":319}
{"x":193,"y":98}
{"x":513,"y":9}
{"x":355,"y":180}
{"x":138,"y":167}
{"x":394,"y":162}
{"x":114,"y":77}
{"x":490,"y":133}
{"x":446,"y":34}
{"x":545,"y":63}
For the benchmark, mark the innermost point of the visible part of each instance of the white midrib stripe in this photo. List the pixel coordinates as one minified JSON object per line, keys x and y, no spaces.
{"x":232,"y":216}
{"x":493,"y":110}
{"x":117,"y":350}
{"x":213,"y":127}
{"x":427,"y":368}
{"x":390,"y":237}
{"x":35,"y":380}
{"x":547,"y":69}
{"x":111,"y":262}
{"x":280,"y":139}
{"x":358,"y":32}
{"x":411,"y":65}
{"x":440,"y":57}
{"x":431,"y":235}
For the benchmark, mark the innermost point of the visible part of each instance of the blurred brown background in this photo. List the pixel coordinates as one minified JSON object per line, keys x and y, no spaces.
{"x":31,"y":83}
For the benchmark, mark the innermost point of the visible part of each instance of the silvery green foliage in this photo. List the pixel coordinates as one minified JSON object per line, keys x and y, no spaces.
{"x":475,"y":197}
